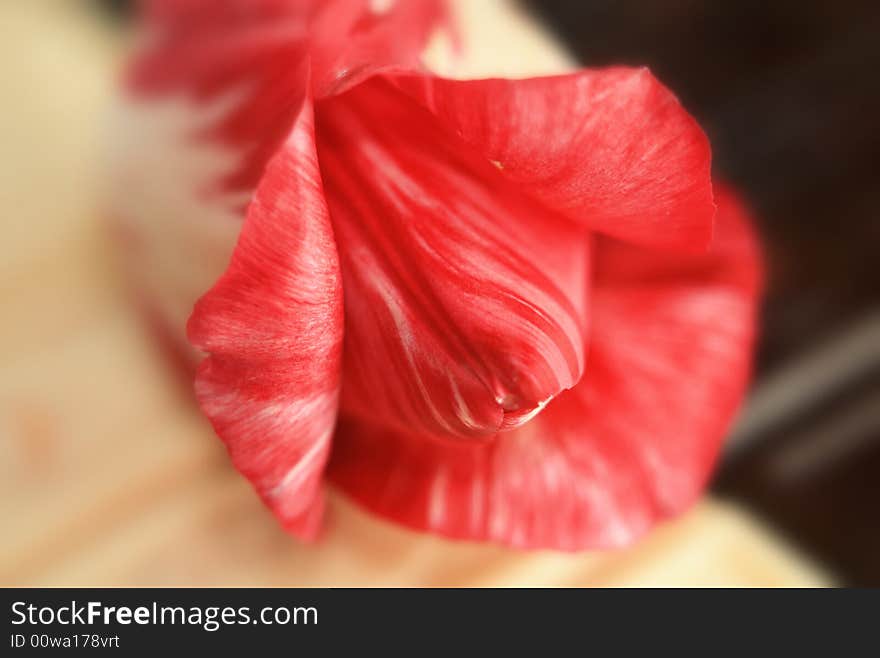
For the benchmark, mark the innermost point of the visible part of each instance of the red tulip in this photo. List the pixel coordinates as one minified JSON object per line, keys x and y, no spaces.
{"x":491,"y":309}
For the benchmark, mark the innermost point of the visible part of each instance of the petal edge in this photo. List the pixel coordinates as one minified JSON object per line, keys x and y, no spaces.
{"x":272,"y":327}
{"x":610,"y":148}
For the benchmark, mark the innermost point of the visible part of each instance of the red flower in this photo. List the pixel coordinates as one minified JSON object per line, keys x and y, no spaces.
{"x":490,"y":309}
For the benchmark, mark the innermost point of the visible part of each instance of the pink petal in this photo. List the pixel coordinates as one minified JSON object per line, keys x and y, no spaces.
{"x":272,"y":326}
{"x":612,"y":148}
{"x":464,"y":299}
{"x":633,"y":443}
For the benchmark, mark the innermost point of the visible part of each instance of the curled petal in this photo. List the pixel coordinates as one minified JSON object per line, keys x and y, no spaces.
{"x":611,"y":148}
{"x":633,"y":443}
{"x":465,"y":301}
{"x":272,"y":326}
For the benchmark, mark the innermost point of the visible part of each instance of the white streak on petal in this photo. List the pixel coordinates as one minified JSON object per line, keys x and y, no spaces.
{"x":437,"y":502}
{"x":461,"y":409}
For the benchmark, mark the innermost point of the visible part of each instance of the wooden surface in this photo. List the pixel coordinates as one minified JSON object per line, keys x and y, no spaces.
{"x":108,"y":476}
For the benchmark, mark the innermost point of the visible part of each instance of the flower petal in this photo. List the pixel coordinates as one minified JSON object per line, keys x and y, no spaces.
{"x":190,"y":138}
{"x":254,"y":54}
{"x":610,"y":148}
{"x":632,"y":443}
{"x":354,"y":39}
{"x":225,"y":14}
{"x":346,"y":40}
{"x":258,"y":75}
{"x":272,"y":326}
{"x":465,"y":301}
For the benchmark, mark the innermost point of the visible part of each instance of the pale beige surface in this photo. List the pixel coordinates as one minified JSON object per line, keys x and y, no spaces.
{"x":109,"y":477}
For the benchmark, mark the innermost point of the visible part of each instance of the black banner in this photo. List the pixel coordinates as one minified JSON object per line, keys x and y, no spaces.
{"x":330,"y":621}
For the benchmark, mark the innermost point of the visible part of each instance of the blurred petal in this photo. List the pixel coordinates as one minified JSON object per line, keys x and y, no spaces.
{"x":222,"y":14}
{"x":272,"y":326}
{"x":354,"y":39}
{"x":254,"y":57}
{"x":464,"y":299}
{"x":259,"y":75}
{"x":633,"y":443}
{"x":612,"y":148}
{"x":732,"y":260}
{"x":190,"y":139}
{"x":346,"y":40}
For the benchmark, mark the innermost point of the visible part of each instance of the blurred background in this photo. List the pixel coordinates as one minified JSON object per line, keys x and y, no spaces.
{"x":108,"y":477}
